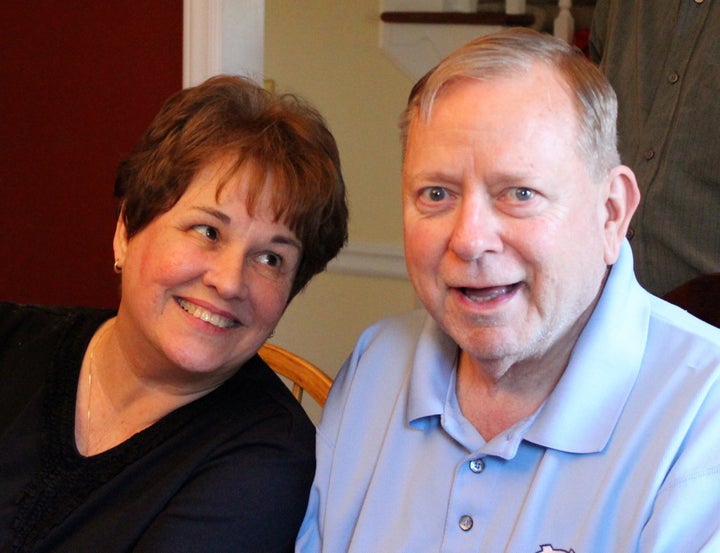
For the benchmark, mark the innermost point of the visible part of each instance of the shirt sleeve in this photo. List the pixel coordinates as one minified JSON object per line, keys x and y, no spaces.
{"x":309,"y":537}
{"x":685,"y":516}
{"x":312,"y":534}
{"x":685,"y":511}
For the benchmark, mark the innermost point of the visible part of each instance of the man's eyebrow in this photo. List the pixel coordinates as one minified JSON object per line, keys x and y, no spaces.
{"x":438,"y":176}
{"x":442,"y":176}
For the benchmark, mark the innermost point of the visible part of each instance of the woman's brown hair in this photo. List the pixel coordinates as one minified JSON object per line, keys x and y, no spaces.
{"x":278,"y":135}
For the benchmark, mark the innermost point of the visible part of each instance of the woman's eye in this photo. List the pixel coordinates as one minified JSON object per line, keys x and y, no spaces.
{"x":523,"y":194}
{"x":435,"y":193}
{"x":207,"y":231}
{"x":270,"y":259}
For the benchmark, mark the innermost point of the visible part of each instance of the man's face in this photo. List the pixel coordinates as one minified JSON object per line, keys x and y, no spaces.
{"x":505,"y":235}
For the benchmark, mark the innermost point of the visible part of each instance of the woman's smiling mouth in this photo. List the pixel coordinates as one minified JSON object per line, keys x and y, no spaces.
{"x":205,"y":315}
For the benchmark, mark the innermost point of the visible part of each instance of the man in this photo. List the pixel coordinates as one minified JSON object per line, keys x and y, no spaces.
{"x":662,"y":58}
{"x":545,"y":402}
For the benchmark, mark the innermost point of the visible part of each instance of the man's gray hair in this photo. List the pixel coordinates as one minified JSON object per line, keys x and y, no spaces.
{"x":514,"y":52}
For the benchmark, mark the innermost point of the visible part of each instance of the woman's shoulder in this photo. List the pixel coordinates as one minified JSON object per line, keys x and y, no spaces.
{"x":269,"y":391}
{"x":31,"y":336}
{"x":19,"y":323}
{"x":254,"y":401}
{"x":24,"y":324}
{"x":31,"y":339}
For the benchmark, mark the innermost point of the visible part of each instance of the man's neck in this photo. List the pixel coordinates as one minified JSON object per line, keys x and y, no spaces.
{"x":495,"y":395}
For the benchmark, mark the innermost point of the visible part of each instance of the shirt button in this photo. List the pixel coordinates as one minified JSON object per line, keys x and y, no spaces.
{"x":649,"y":154}
{"x":466,"y":522}
{"x":630,"y":233}
{"x":673,"y":78}
{"x":477,"y":465}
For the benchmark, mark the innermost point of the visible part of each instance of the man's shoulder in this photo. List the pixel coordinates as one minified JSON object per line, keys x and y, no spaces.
{"x":682,"y":351}
{"x":380,"y":362}
{"x":675,"y":324}
{"x":394,"y":330}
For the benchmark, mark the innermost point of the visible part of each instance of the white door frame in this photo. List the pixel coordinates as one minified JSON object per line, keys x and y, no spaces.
{"x":223,"y":36}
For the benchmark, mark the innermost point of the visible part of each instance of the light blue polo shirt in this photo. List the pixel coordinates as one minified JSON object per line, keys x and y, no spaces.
{"x":623,"y":456}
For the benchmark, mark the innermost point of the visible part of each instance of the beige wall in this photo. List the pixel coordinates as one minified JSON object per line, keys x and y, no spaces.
{"x":327,"y":51}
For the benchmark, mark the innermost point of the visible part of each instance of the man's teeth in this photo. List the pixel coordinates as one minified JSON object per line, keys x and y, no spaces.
{"x":487,"y":294}
{"x":205,"y":315}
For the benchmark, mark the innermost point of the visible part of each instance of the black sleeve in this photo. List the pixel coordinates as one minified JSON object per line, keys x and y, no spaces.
{"x":250,"y":498}
{"x":28,"y":338}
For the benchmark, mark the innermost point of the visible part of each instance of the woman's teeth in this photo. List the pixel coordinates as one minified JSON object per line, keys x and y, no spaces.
{"x":205,"y":315}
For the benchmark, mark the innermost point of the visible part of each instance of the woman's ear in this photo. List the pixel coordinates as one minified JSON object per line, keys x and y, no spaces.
{"x":623,"y":197}
{"x":120,"y":241}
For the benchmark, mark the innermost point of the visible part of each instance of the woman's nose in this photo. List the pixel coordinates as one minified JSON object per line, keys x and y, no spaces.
{"x":226,"y":273}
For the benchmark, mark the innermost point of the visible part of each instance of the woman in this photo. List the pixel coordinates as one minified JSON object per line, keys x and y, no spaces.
{"x":158,"y":428}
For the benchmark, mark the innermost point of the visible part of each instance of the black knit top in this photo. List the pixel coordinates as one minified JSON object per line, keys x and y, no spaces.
{"x":230,"y":471}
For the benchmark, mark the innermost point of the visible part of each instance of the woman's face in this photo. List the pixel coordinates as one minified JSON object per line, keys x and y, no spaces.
{"x":204,"y":284}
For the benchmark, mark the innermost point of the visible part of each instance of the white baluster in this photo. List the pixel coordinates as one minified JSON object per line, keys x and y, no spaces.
{"x":564,"y":26}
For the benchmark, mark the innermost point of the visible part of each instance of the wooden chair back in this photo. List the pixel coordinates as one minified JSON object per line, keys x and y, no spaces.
{"x":304,"y":376}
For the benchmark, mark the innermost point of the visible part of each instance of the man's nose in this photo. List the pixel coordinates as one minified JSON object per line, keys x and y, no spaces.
{"x":476,"y":229}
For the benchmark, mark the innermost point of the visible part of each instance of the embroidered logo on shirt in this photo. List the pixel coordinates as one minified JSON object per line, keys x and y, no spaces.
{"x":547,"y":548}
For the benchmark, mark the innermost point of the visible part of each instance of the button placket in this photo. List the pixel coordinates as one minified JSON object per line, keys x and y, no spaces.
{"x":477,"y":465}
{"x":465,"y":523}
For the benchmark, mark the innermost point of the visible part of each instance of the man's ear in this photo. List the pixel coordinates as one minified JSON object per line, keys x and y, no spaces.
{"x":623,"y":197}
{"x":120,"y":241}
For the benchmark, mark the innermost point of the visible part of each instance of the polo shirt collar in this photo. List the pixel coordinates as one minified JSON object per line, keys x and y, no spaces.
{"x":432,"y":372}
{"x":583,"y":409}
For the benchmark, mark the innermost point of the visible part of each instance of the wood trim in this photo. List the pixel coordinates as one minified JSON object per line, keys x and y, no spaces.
{"x":371,"y":259}
{"x":459,"y":18}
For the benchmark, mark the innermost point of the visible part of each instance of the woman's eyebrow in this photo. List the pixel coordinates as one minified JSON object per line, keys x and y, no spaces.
{"x":214,"y":213}
{"x":287,"y":240}
{"x":225,"y":218}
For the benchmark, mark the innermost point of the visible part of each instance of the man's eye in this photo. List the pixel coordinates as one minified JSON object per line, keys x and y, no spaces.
{"x":523,"y":194}
{"x":435,"y":193}
{"x":207,"y":231}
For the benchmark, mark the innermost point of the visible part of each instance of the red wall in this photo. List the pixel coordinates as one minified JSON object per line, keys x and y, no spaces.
{"x":79,"y":82}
